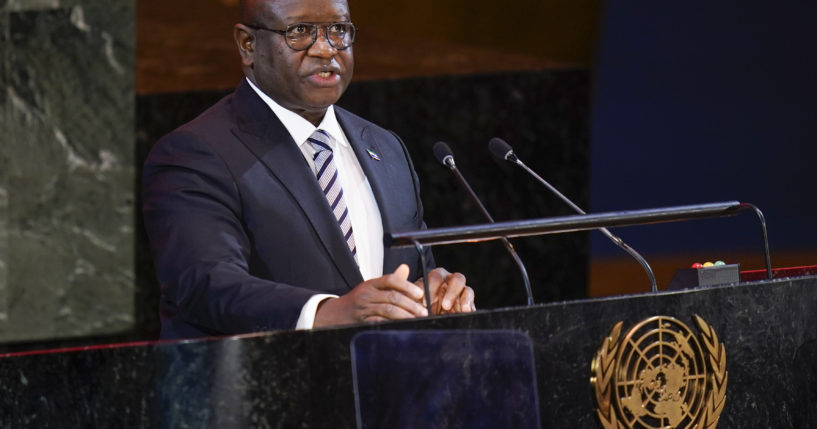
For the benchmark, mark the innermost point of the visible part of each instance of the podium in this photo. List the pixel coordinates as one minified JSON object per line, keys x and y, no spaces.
{"x":305,"y":379}
{"x":741,"y":355}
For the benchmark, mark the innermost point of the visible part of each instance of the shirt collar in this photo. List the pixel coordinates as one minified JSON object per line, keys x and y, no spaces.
{"x":299,"y":128}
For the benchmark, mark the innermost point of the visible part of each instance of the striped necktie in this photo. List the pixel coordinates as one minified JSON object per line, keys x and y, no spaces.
{"x":327,"y":174}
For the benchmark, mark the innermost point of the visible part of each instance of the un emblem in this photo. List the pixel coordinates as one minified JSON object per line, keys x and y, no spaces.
{"x":660,"y":375}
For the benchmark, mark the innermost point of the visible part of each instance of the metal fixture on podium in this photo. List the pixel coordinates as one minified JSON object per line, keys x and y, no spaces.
{"x":557,"y":225}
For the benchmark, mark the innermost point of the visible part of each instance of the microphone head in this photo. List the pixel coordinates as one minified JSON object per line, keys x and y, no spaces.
{"x":444,"y":154}
{"x":500,"y":149}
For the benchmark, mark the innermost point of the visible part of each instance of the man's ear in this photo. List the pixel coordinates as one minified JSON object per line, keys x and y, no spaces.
{"x":245,"y":40}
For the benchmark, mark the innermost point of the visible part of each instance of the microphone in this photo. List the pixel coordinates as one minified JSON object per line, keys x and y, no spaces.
{"x":502,"y":150}
{"x":445,"y":156}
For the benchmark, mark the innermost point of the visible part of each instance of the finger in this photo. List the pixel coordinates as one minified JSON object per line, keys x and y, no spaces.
{"x":466,"y":301}
{"x":454,"y":287}
{"x":374,"y":319}
{"x":436,"y":280}
{"x":402,"y":272}
{"x":380,"y":301}
{"x":398,"y":281}
{"x":396,"y":312}
{"x":420,"y":283}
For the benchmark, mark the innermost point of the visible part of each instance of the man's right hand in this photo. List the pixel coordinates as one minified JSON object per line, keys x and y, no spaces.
{"x":389,"y":297}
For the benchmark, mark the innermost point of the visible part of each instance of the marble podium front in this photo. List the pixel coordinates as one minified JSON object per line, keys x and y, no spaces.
{"x":304,"y":379}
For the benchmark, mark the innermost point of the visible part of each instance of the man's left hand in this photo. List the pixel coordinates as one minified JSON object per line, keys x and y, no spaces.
{"x":449,"y":293}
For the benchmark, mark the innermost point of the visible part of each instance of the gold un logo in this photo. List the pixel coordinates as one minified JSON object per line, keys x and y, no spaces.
{"x":660,"y":376}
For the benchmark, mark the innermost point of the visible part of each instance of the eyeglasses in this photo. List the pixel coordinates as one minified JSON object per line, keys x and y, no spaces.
{"x":302,"y":35}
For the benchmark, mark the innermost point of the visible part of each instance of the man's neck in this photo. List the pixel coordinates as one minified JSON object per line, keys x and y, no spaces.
{"x":314,"y":117}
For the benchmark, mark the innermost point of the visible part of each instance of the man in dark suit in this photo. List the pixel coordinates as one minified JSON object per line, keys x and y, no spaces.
{"x":267,"y":211}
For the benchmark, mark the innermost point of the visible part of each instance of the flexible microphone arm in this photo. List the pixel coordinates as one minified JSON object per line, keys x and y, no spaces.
{"x":445,"y":155}
{"x":502,"y":150}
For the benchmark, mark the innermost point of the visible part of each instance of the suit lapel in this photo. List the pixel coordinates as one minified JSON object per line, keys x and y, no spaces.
{"x":376,"y":170}
{"x":388,"y":178}
{"x":266,"y":137}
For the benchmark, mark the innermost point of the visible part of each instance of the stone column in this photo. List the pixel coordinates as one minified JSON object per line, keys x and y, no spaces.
{"x":66,"y":168}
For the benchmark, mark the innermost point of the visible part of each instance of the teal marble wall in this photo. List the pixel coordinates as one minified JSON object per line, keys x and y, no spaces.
{"x":67,"y":175}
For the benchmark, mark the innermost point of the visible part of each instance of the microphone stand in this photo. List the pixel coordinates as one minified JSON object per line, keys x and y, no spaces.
{"x":444,"y":154}
{"x":500,"y":149}
{"x":614,"y":238}
{"x":504,"y":240}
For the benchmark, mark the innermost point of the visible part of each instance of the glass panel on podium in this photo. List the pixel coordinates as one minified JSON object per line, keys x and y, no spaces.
{"x":444,"y":379}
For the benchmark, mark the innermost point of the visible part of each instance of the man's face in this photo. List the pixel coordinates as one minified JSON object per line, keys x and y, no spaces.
{"x":308,"y":81}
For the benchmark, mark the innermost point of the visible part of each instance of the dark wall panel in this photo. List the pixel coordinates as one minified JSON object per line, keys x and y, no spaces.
{"x":703,"y":101}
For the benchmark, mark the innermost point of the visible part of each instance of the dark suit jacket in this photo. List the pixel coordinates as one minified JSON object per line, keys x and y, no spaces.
{"x":241,"y":233}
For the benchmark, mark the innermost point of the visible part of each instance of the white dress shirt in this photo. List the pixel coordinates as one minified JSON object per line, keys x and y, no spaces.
{"x":367,"y":225}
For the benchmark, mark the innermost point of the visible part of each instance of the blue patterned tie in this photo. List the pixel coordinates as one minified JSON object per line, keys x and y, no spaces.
{"x":327,"y":175}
